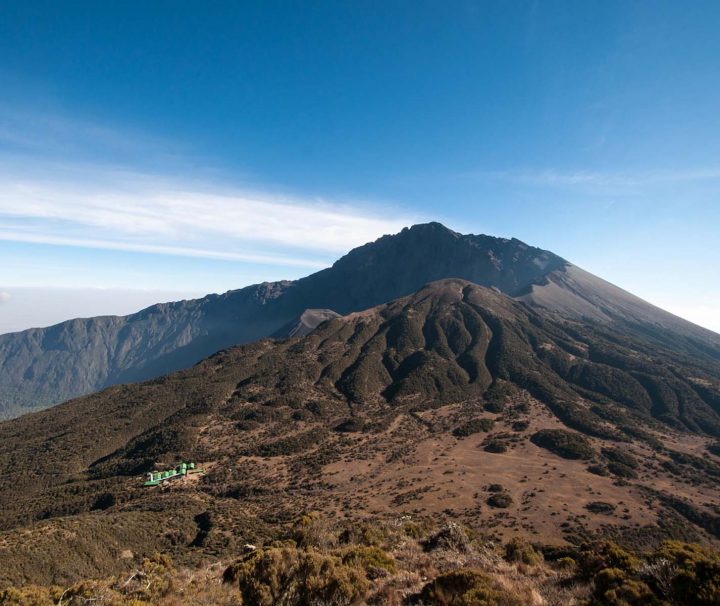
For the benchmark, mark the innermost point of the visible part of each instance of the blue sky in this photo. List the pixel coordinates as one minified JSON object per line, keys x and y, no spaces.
{"x":157,"y":150}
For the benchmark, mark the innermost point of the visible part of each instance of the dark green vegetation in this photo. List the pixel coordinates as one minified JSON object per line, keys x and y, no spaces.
{"x":47,"y":365}
{"x":567,"y":444}
{"x":472,"y":427}
{"x":356,"y":419}
{"x":399,"y":562}
{"x":501,"y":500}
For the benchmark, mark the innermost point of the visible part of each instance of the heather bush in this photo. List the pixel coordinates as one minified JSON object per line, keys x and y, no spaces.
{"x":474,"y":426}
{"x":517,"y":550}
{"x":468,"y":587}
{"x":297,"y":577}
{"x":567,"y":444}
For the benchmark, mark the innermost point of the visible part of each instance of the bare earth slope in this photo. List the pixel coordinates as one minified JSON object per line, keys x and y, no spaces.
{"x":41,"y":367}
{"x":456,"y":399}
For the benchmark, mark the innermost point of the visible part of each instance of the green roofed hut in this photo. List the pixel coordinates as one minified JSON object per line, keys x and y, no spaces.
{"x":184,"y":469}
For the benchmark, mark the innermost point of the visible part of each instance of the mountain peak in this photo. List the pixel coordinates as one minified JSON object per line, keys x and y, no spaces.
{"x":431,"y":228}
{"x":45,"y":366}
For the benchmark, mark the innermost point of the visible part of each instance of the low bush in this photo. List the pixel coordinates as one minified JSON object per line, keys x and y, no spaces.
{"x":370,"y":559}
{"x":295,"y":577}
{"x":567,"y":444}
{"x":518,"y":550}
{"x":451,"y":536}
{"x":496,"y":446}
{"x":685,"y":573}
{"x":468,"y":587}
{"x":472,"y":427}
{"x":351,"y":425}
{"x":600,"y":507}
{"x":500,"y":500}
{"x":623,"y":457}
{"x":621,"y":470}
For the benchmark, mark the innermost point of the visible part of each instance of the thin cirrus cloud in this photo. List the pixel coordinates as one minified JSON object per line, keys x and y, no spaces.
{"x":557,"y":178}
{"x":46,"y":198}
{"x":141,"y":213}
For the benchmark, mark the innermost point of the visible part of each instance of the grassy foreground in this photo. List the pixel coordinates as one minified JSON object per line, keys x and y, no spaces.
{"x":404,"y":561}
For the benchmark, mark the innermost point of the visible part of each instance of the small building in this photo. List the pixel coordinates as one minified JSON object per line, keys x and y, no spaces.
{"x":184,"y":469}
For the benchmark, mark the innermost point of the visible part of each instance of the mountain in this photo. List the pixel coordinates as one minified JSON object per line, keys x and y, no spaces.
{"x":44,"y":366}
{"x":460,"y":399}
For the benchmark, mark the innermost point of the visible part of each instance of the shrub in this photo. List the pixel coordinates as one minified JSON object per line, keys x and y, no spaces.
{"x":295,"y":577}
{"x":617,"y":455}
{"x":600,"y":507}
{"x":520,"y":551}
{"x":598,"y":470}
{"x":353,"y":424}
{"x":614,"y":588}
{"x":622,"y":471}
{"x":451,"y":536}
{"x":472,"y":427}
{"x":365,"y":533}
{"x":500,"y":500}
{"x":594,"y":557}
{"x":565,"y":563}
{"x":313,"y":530}
{"x":567,"y":444}
{"x":468,"y":587}
{"x":496,"y":446}
{"x":370,"y":559}
{"x":520,"y":425}
{"x":694,"y":573}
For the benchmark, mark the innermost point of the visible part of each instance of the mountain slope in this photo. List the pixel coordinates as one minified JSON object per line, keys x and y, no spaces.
{"x":41,"y":367}
{"x":415,"y":406}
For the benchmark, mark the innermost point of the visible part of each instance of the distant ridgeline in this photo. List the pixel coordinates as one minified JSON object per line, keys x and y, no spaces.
{"x":44,"y":366}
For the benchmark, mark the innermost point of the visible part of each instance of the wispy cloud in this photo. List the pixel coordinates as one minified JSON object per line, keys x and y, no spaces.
{"x":4,"y":297}
{"x":74,"y":182}
{"x":155,"y":214}
{"x":559,"y":178}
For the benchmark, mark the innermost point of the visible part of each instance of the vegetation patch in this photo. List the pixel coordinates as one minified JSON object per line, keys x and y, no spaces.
{"x":616,"y":455}
{"x":351,"y":425}
{"x":472,"y":427}
{"x":566,"y":444}
{"x":467,"y":587}
{"x":496,"y":446}
{"x":600,"y":507}
{"x":450,"y":537}
{"x":517,"y":550}
{"x":500,"y":500}
{"x":621,"y":470}
{"x":296,"y":577}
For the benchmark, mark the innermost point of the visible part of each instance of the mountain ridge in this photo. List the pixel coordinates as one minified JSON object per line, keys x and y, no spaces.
{"x":413,"y":406}
{"x":44,"y":366}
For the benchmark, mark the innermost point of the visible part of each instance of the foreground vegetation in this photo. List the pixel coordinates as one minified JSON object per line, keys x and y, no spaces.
{"x":405,"y":561}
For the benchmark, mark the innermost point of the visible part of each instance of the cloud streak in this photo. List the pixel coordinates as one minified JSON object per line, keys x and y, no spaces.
{"x":153,"y":214}
{"x":555,"y":178}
